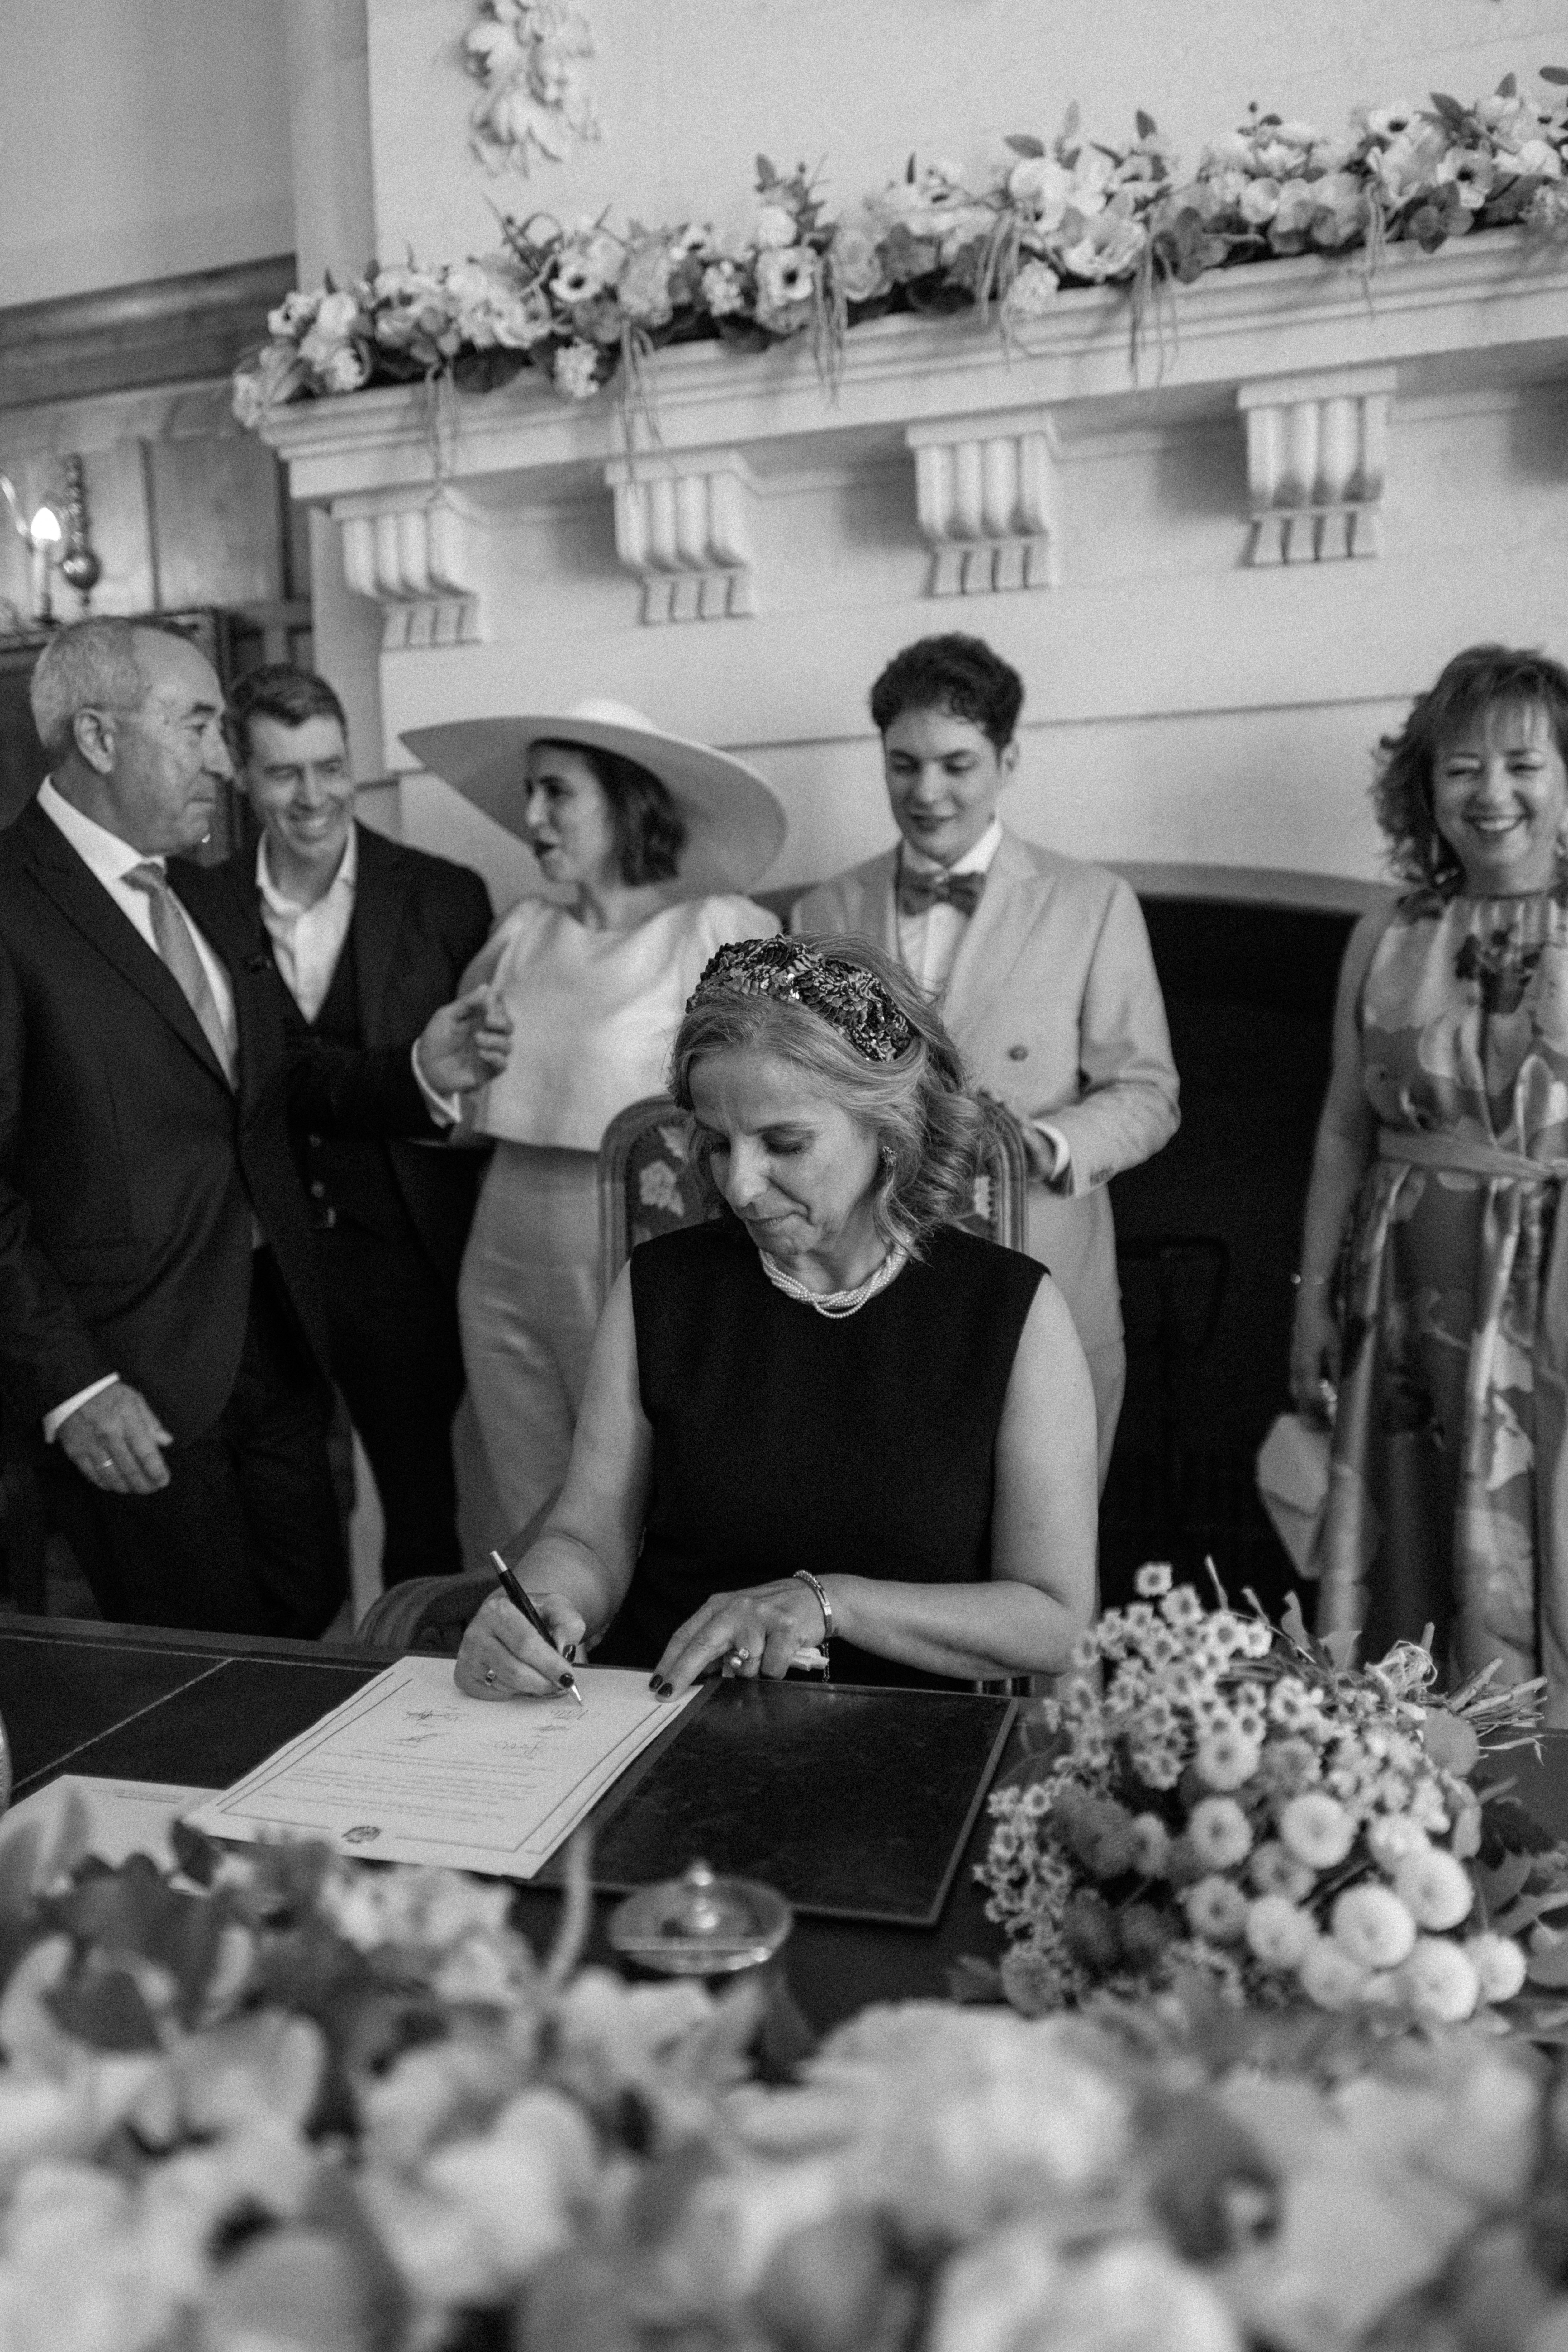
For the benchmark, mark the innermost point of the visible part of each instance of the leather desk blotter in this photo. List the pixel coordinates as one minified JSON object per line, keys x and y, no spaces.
{"x":853,"y":1803}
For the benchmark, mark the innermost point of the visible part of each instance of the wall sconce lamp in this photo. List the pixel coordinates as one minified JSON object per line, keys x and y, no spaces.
{"x":42,"y":534}
{"x":51,"y":537}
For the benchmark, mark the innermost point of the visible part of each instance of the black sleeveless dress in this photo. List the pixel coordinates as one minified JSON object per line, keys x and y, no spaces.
{"x":784,"y":1439}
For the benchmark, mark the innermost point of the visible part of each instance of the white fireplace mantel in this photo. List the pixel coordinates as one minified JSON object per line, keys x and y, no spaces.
{"x":1309,"y":357}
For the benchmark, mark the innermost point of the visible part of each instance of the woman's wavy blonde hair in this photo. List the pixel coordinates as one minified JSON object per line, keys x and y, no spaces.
{"x":931,"y":1133}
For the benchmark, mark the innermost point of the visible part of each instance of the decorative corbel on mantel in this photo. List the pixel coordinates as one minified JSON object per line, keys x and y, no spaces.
{"x":414,"y":556}
{"x":1317,"y":450}
{"x":985,"y":493}
{"x":683,"y":526}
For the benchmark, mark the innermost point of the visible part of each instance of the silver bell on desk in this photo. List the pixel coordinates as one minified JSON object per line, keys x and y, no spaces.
{"x":701,"y":1926}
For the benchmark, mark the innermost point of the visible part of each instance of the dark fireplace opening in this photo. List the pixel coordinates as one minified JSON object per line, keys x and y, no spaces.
{"x":1208,"y":1235}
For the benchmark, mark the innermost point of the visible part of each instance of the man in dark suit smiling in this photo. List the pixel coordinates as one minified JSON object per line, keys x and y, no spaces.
{"x":159,"y":1320}
{"x":369,"y":938}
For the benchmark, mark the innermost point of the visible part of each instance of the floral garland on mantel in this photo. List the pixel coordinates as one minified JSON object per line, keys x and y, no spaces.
{"x":582,"y":304}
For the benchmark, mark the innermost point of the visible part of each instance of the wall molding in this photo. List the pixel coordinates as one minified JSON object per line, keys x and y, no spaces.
{"x":163,"y":331}
{"x":1303,"y":361}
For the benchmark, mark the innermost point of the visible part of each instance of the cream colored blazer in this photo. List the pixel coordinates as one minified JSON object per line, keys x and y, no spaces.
{"x":1055,"y":1006}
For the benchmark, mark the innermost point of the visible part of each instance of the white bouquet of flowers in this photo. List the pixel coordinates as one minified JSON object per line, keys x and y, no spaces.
{"x":1234,"y":1801}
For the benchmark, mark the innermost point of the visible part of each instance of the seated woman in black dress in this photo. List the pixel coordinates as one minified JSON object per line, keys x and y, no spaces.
{"x":826,"y":1415}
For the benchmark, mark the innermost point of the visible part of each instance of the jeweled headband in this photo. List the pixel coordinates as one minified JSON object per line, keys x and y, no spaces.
{"x":851,"y":999}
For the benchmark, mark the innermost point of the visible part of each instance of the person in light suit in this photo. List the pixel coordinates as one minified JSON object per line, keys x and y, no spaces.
{"x":1040,"y":965}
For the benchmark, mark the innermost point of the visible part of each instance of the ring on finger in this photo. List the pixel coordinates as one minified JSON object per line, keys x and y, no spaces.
{"x":738,"y":1658}
{"x":490,"y":1676}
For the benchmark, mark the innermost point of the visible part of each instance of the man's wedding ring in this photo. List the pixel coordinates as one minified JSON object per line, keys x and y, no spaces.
{"x":490,"y":1676}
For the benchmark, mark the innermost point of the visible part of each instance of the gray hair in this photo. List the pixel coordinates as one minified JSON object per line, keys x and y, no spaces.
{"x":930,"y":1132}
{"x":88,"y":666}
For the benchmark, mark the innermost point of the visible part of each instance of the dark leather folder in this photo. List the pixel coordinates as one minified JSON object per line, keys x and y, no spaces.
{"x":853,"y":1803}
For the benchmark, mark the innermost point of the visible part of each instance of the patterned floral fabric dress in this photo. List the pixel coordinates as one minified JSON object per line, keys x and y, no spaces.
{"x":1448,"y":1499}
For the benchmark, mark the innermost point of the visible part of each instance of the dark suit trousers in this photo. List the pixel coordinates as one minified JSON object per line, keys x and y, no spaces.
{"x":246,"y":1537}
{"x":398,"y":1360}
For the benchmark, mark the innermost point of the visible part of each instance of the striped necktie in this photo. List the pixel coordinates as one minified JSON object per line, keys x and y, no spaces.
{"x":177,"y":949}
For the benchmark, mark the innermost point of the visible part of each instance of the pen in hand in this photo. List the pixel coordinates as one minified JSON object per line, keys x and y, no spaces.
{"x":525,"y":1608}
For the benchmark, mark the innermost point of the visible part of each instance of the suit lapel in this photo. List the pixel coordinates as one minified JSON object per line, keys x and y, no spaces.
{"x":876,"y":917}
{"x":994,"y":937}
{"x":380,"y":892}
{"x":82,"y":899}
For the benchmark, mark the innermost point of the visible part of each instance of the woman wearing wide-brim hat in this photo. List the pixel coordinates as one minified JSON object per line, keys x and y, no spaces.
{"x":646,"y":843}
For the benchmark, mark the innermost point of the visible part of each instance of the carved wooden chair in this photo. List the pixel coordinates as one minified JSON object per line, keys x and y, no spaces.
{"x":648,"y":1184}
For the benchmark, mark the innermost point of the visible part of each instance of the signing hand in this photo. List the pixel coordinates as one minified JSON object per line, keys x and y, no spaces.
{"x":771,"y":1624}
{"x":116,"y":1441}
{"x":502,"y":1656}
{"x":466,"y":1044}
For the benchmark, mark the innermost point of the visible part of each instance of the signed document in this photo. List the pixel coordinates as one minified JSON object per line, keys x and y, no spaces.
{"x":410,"y":1770}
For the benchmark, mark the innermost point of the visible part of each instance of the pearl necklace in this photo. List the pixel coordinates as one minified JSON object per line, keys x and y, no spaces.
{"x":836,"y":1304}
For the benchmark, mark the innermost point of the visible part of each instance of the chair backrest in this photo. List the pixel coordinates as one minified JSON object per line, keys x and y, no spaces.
{"x":648,"y":1184}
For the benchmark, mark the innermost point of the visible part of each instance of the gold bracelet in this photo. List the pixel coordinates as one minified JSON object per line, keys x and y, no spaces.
{"x":804,"y":1576}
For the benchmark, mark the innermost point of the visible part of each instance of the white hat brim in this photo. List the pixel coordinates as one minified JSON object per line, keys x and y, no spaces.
{"x":735,"y":826}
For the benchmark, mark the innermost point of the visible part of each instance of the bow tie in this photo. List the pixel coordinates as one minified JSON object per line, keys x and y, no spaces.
{"x":917,"y":892}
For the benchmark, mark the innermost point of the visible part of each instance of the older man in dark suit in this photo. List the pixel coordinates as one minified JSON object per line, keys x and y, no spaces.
{"x":369,"y":937}
{"x":159,"y":1317}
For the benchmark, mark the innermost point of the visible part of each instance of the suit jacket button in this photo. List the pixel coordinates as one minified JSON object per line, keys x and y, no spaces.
{"x":318,"y":1191}
{"x":1017,"y":1053}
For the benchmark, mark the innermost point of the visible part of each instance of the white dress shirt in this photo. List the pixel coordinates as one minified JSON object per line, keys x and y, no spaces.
{"x":928,"y":944}
{"x":308,"y":941}
{"x":109,"y":860}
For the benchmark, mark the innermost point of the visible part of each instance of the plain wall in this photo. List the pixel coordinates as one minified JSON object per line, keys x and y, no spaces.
{"x":141,"y":139}
{"x":687,"y":91}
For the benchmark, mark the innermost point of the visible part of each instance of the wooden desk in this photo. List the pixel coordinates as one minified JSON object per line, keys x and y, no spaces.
{"x":132,"y":1702}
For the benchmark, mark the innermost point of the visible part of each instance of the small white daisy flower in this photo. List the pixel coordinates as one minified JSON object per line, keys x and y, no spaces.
{"x":1220,"y":1832}
{"x":1317,"y":1830}
{"x":1499,"y":1964}
{"x":1280,"y":1933}
{"x":1374,"y":1927}
{"x":1216,"y":1909}
{"x":1441,"y":1979}
{"x":1435,"y":1888}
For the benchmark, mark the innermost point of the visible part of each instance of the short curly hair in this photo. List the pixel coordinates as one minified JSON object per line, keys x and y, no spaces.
{"x":953,"y":673}
{"x":1481,"y":680}
{"x":648,"y":830}
{"x":281,"y":692}
{"x":930,"y":1132}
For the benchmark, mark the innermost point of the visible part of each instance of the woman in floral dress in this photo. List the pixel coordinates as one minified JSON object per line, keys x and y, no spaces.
{"x":1432,"y":1317}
